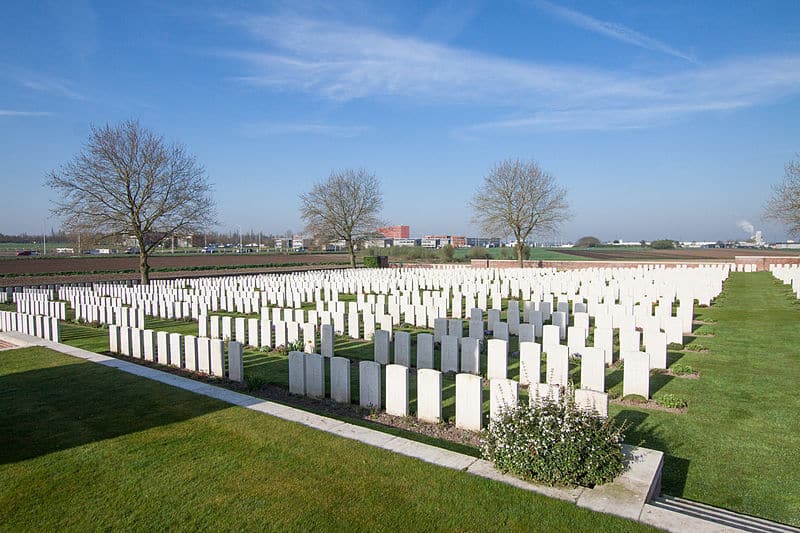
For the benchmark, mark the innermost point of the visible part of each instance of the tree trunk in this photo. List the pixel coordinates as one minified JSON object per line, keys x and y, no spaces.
{"x":519,"y":248}
{"x":352,"y":252}
{"x":144,"y":267}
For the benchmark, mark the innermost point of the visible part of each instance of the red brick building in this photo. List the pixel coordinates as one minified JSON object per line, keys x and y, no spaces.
{"x":396,"y":232}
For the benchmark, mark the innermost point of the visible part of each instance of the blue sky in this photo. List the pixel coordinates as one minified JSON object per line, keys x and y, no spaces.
{"x":662,"y":119}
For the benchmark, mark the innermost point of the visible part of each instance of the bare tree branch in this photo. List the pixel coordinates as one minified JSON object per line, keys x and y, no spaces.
{"x":784,"y":204}
{"x":127,"y":181}
{"x":518,"y":199}
{"x":346,"y":206}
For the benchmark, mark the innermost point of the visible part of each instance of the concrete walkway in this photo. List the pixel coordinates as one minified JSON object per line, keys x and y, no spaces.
{"x":627,"y":496}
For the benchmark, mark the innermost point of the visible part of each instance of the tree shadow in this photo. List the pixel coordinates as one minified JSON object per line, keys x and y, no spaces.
{"x":639,"y":431}
{"x":52,"y":409}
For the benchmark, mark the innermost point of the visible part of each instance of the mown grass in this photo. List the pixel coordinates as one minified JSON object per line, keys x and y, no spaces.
{"x":738,"y":446}
{"x":90,"y":447}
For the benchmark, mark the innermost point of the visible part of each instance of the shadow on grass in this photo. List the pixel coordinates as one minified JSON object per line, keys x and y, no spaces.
{"x":640,"y":432}
{"x":658,"y":381}
{"x":47,"y":410}
{"x":674,"y":357}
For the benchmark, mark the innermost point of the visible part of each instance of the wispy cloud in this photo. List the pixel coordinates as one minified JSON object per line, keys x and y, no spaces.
{"x":266,"y":129}
{"x":40,"y":82}
{"x":16,"y":113}
{"x":610,"y":29}
{"x":51,"y":85}
{"x":340,"y":62}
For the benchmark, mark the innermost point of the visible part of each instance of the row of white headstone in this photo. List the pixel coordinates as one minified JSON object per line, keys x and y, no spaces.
{"x":44,"y":327}
{"x":454,"y":288}
{"x":789,"y":275}
{"x":197,"y":354}
{"x":307,"y":377}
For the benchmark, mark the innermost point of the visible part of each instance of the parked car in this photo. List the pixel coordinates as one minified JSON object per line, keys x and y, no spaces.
{"x":25,"y":253}
{"x":209,"y":250}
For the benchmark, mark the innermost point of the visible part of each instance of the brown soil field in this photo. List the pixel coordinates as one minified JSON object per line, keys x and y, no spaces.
{"x":683,"y":254}
{"x":45,"y":270}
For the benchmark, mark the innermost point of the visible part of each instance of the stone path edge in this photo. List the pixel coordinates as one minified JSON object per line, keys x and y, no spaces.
{"x":626,"y":497}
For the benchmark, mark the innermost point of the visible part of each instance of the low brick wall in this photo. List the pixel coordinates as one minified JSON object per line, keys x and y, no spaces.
{"x":761,"y":263}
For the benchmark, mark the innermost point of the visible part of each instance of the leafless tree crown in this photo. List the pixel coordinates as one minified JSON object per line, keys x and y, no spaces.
{"x":346,"y":206}
{"x":127,"y":181}
{"x":784,"y":204}
{"x":517,"y":198}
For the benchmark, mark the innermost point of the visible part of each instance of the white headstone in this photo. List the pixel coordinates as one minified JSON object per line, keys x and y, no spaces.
{"x":235,"y":362}
{"x":469,"y":402}
{"x":429,"y":395}
{"x":636,"y":374}
{"x":424,"y":350}
{"x":397,"y":390}
{"x":369,"y":384}
{"x":297,"y":373}
{"x":592,"y":401}
{"x":504,"y":395}
{"x":402,"y":348}
{"x":381,"y":347}
{"x":497,"y":365}
{"x":449,"y":357}
{"x":593,"y":369}
{"x":530,"y":363}
{"x":557,"y":364}
{"x":340,"y":379}
{"x":315,"y":375}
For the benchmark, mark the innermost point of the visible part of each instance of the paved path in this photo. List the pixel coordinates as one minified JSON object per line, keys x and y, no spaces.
{"x":626,"y":497}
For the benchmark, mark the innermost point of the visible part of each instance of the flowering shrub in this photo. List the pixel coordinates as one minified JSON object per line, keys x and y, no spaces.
{"x":555,"y":443}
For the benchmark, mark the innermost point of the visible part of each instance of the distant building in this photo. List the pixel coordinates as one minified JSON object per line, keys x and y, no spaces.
{"x":395,"y":232}
{"x":406,"y":242}
{"x":456,"y":241}
{"x":481,"y":242}
{"x":377,"y":243}
{"x":300,"y":243}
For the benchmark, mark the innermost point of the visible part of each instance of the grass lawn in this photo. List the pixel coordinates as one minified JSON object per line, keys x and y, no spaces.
{"x":739,"y":445}
{"x":88,"y":447}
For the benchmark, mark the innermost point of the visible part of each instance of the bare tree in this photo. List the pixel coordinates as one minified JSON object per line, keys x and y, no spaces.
{"x":126,"y":181}
{"x":784,"y":204}
{"x":517,"y":199}
{"x":345,"y":206}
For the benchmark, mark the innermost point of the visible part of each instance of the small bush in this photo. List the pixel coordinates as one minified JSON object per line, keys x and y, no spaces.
{"x":695,"y":347}
{"x":587,"y":242}
{"x":555,"y":443}
{"x":681,"y":368}
{"x":447,"y":253}
{"x":672,"y":401}
{"x":477,"y":252}
{"x":371,"y":261}
{"x":662,"y":244}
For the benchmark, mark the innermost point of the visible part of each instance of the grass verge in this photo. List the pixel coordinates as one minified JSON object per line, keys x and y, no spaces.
{"x":92,"y":445}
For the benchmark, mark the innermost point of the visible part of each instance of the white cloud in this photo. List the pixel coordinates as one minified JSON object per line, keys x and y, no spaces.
{"x":15,"y":113}
{"x":341,"y":62}
{"x":610,"y":29}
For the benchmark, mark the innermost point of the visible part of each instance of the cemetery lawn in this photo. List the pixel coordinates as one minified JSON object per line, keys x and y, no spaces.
{"x":86,"y":446}
{"x":738,"y":446}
